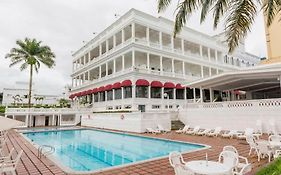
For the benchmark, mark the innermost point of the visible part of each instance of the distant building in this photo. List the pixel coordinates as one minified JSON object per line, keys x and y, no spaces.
{"x":19,"y":95}
{"x":273,"y":39}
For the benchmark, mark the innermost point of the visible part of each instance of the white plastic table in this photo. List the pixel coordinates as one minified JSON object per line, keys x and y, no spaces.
{"x":212,"y":168}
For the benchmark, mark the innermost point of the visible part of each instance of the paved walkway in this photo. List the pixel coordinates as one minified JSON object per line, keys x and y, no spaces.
{"x":31,"y":164}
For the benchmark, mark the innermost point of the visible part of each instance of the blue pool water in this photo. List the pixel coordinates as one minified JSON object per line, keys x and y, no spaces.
{"x":89,"y":150}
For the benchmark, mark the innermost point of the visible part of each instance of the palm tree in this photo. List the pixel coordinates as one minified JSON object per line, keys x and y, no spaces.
{"x":31,"y":53}
{"x":239,"y":15}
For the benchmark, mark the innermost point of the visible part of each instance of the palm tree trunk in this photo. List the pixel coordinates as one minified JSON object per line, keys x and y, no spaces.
{"x":30,"y":85}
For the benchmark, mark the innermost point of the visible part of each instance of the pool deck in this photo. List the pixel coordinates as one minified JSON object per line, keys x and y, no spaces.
{"x":31,"y":164}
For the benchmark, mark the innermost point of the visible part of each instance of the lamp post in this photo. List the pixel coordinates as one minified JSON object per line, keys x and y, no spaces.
{"x":167,"y":97}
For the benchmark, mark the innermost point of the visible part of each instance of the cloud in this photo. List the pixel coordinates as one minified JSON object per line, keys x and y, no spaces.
{"x":64,"y":24}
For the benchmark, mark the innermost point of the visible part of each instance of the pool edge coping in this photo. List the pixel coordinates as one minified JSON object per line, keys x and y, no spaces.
{"x":70,"y":171}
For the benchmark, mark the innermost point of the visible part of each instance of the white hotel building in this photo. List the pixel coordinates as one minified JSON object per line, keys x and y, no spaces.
{"x":136,"y":64}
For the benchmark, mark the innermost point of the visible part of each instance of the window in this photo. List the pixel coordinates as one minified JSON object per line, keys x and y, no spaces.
{"x":155,"y":107}
{"x":96,"y":97}
{"x":102,"y":96}
{"x":179,"y":93}
{"x":156,"y":92}
{"x":189,"y":93}
{"x":109,"y":95}
{"x":90,"y":98}
{"x":118,"y":94}
{"x":109,"y":107}
{"x":141,"y":108}
{"x":142,"y":92}
{"x":128,"y":106}
{"x":118,"y":107}
{"x":169,"y":92}
{"x":127,"y":92}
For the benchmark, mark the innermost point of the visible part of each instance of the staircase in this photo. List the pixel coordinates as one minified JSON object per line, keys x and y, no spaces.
{"x":177,"y":124}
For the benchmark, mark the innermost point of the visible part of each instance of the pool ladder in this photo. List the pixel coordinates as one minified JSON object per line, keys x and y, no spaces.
{"x":41,"y":151}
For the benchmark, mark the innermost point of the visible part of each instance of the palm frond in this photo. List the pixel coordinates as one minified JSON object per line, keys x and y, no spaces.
{"x":23,"y":66}
{"x":183,"y":11}
{"x":220,"y":7}
{"x":271,"y":9}
{"x":206,"y":5}
{"x":162,"y":5}
{"x":239,"y":21}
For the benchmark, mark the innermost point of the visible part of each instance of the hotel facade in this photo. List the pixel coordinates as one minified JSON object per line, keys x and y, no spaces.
{"x":136,"y":64}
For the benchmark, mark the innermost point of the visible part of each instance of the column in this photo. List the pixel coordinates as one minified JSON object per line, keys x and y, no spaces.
{"x":113,"y":94}
{"x":60,"y":116}
{"x":184,"y":93}
{"x":123,"y":62}
{"x":210,"y":71}
{"x":201,"y":95}
{"x":13,"y":117}
{"x":133,"y":91}
{"x":114,"y":40}
{"x":89,"y":56}
{"x":100,"y":50}
{"x":147,"y":35}
{"x":174,"y":91}
{"x":160,"y":40}
{"x":216,"y":55}
{"x":133,"y":58}
{"x":99,"y":71}
{"x":172,"y":43}
{"x":30,"y":120}
{"x":123,"y":36}
{"x":89,"y":76}
{"x":106,"y":68}
{"x":106,"y":46}
{"x":217,"y":71}
{"x":161,"y":65}
{"x":105,"y":94}
{"x":211,"y":95}
{"x":162,"y":93}
{"x":149,"y":92}
{"x":182,"y":46}
{"x":133,"y":31}
{"x":173,"y":67}
{"x":202,"y":72}
{"x":53,"y":120}
{"x":122,"y":93}
{"x":194,"y":95}
{"x":201,"y":51}
{"x":148,"y":61}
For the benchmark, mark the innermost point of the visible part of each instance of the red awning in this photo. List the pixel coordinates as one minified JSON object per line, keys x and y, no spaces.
{"x":142,"y":82}
{"x":116,"y":85}
{"x":108,"y":87}
{"x":95,"y":90}
{"x":156,"y":84}
{"x":83,"y":93}
{"x":101,"y":89}
{"x":79,"y":94}
{"x":71,"y":96}
{"x":169,"y":85}
{"x":126,"y":83}
{"x":179,"y":86}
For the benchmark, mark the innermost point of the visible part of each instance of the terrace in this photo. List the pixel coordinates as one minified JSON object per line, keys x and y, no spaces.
{"x":31,"y":164}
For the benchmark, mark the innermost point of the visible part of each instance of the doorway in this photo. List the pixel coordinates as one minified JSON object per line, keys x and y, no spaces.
{"x":57,"y":120}
{"x":34,"y":121}
{"x":47,"y":120}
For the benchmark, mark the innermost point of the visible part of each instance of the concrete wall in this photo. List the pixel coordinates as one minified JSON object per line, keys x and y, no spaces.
{"x":236,"y":115}
{"x":132,"y":122}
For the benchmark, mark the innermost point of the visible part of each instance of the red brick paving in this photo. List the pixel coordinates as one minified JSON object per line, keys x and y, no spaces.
{"x":31,"y":165}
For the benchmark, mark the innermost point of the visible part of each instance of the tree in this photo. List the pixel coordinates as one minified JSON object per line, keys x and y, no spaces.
{"x":63,"y":102}
{"x":31,"y":53}
{"x":239,"y":15}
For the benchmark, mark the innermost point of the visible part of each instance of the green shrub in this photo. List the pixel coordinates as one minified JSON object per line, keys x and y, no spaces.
{"x":274,"y":168}
{"x":2,"y":109}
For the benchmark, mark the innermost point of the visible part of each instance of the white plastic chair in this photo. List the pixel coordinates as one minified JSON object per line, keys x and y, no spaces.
{"x":185,"y":128}
{"x":203,"y":132}
{"x":177,"y":162}
{"x":216,"y":132}
{"x":263,"y":150}
{"x":252,"y":143}
{"x":272,"y":128}
{"x":194,"y":131}
{"x":242,"y":161}
{"x":277,"y":154}
{"x":246,"y":169}
{"x":152,"y":131}
{"x":11,"y":165}
{"x":162,"y":129}
{"x":228,"y":159}
{"x":229,"y":134}
{"x":259,"y":127}
{"x":248,"y":131}
{"x":4,"y":157}
{"x":274,"y":138}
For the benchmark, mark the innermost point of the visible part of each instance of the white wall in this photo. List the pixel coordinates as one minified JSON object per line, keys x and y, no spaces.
{"x":236,"y":115}
{"x":132,"y":122}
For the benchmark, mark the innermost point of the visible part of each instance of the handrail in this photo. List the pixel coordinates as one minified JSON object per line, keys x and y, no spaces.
{"x":41,"y":149}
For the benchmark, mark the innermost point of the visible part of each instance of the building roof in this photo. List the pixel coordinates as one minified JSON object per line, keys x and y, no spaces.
{"x":250,"y":79}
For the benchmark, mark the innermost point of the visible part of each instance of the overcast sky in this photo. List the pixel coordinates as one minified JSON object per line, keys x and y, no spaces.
{"x":65,"y":24}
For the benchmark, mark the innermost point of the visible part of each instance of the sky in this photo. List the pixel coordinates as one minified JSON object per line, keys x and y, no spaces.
{"x":65,"y":24}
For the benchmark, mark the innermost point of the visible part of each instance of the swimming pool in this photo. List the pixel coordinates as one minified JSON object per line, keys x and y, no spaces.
{"x":91,"y":150}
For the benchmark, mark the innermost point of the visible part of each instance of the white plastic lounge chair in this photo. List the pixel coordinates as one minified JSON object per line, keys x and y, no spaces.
{"x":11,"y":165}
{"x":193,"y":131}
{"x":177,"y":162}
{"x":274,"y":138}
{"x":252,"y":143}
{"x":228,"y":159}
{"x":277,"y":154}
{"x":242,"y":161}
{"x":162,"y":129}
{"x":203,"y":132}
{"x":185,"y":128}
{"x":3,"y":142}
{"x":152,"y":131}
{"x":216,"y":132}
{"x":248,"y":131}
{"x":246,"y":169}
{"x":229,"y":134}
{"x":263,"y":150}
{"x":3,"y":157}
